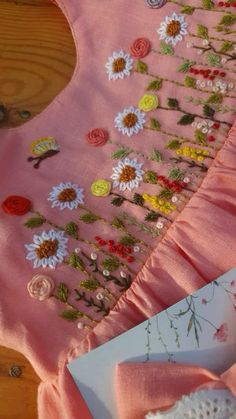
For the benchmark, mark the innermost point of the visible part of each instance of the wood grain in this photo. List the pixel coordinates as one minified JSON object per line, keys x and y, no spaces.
{"x":37,"y":56}
{"x":37,"y":60}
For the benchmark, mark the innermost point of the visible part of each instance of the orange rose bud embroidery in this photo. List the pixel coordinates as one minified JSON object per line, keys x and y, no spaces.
{"x":16,"y":205}
{"x":97,"y":137}
{"x":140,"y":48}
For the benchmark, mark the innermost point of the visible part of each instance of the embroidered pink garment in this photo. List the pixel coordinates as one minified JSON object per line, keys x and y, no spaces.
{"x":158,"y":386}
{"x":196,"y":241}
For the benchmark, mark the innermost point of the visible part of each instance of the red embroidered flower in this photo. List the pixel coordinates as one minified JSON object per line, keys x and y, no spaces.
{"x":140,"y":48}
{"x":222,"y":333}
{"x":16,"y":205}
{"x":97,"y":137}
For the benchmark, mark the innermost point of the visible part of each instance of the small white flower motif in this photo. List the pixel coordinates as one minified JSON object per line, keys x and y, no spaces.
{"x":127,"y":174}
{"x":174,"y":199}
{"x":77,"y":250}
{"x":99,"y":296}
{"x":205,"y":42}
{"x":203,"y":84}
{"x":159,"y":225}
{"x":130,"y":121}
{"x":94,"y":256}
{"x":205,"y":130}
{"x":198,"y":82}
{"x":173,"y":29}
{"x":136,"y":249}
{"x":119,"y":65}
{"x":48,"y":249}
{"x":209,"y":83}
{"x":105,"y":272}
{"x":66,"y":195}
{"x":186,"y":180}
{"x":210,"y":123}
{"x":194,"y":124}
{"x":199,"y":125}
{"x":123,"y":274}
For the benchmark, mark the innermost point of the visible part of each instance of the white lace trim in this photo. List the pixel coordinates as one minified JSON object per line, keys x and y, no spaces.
{"x":205,"y":404}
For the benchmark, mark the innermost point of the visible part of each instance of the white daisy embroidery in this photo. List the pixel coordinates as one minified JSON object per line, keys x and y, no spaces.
{"x":127,"y":174}
{"x":130,"y":121}
{"x":66,"y":195}
{"x":119,"y":65}
{"x":172,"y":29}
{"x":48,"y":249}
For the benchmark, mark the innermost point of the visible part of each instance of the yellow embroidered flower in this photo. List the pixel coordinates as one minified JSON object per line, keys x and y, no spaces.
{"x":148,"y":103}
{"x":160,"y":204}
{"x":101,"y":187}
{"x":193,"y":153}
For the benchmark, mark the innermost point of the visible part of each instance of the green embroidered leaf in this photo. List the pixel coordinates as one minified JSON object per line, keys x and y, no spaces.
{"x":71,"y":314}
{"x":155,"y":124}
{"x":141,"y":67}
{"x":208,"y":4}
{"x":202,"y":31}
{"x":111,"y":264}
{"x":89,"y":218}
{"x":219,"y":28}
{"x":128,"y":240}
{"x":185,"y":66}
{"x":90,"y":284}
{"x":189,"y":82}
{"x":117,"y":223}
{"x":150,"y":177}
{"x":34,"y":222}
{"x":154,"y":84}
{"x":173,"y":103}
{"x":186,"y":119}
{"x":214,"y":59}
{"x":152,"y":216}
{"x":75,"y":262}
{"x":187,"y":10}
{"x":173,"y":145}
{"x":118,"y":201}
{"x":226,"y":46}
{"x":120,"y":153}
{"x":166,"y":49}
{"x":215,"y":98}
{"x":165,"y":193}
{"x":72,"y":229}
{"x":208,"y":111}
{"x":62,"y":292}
{"x":228,"y":20}
{"x":156,"y":155}
{"x":138,"y":199}
{"x":176,"y":174}
{"x":200,"y":137}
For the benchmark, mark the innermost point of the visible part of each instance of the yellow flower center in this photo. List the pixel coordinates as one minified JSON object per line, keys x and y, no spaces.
{"x":128,"y":173}
{"x":130,"y":120}
{"x":47,"y":248}
{"x":67,"y":195}
{"x":173,"y":29}
{"x":118,"y":65}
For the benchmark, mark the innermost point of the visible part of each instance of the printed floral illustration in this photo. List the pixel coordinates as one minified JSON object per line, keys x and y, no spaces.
{"x":66,"y":195}
{"x":119,"y":65}
{"x":48,"y":249}
{"x":173,"y":29}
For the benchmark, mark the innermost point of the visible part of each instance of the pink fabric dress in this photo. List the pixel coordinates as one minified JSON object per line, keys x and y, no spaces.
{"x":165,"y":155}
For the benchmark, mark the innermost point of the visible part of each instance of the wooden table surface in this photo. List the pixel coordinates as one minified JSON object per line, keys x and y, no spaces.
{"x":37,"y":60}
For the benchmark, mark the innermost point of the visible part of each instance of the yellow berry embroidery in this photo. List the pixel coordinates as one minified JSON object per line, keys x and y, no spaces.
{"x":193,"y":153}
{"x":160,"y":204}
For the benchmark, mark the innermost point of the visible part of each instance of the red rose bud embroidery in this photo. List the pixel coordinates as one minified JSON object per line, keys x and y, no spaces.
{"x":16,"y":205}
{"x":140,"y":48}
{"x":97,"y":137}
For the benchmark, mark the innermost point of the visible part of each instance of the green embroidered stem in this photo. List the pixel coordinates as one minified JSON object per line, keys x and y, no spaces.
{"x":154,"y":232}
{"x":117,"y":226}
{"x":191,"y":164}
{"x":211,"y":48}
{"x":200,"y":7}
{"x":90,"y":302}
{"x":214,"y":38}
{"x":217,"y":107}
{"x":141,"y":204}
{"x":73,"y":313}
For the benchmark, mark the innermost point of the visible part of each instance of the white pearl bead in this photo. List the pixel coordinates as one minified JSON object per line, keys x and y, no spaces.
{"x":80,"y":325}
{"x":136,"y":249}
{"x":174,"y":199}
{"x":106,"y":272}
{"x":123,"y":274}
{"x":77,"y":250}
{"x":186,"y":180}
{"x":99,"y":296}
{"x":159,"y":225}
{"x":94,"y":256}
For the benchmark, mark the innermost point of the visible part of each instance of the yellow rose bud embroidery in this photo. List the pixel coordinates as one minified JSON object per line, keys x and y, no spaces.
{"x":148,"y":103}
{"x":101,"y":187}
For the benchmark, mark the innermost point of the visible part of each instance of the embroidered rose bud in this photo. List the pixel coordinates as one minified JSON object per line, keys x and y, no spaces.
{"x":80,"y":325}
{"x":40,"y":287}
{"x":16,"y":205}
{"x":156,"y":4}
{"x":140,"y":48}
{"x":99,"y":296}
{"x":94,"y":256}
{"x":97,"y":137}
{"x":101,"y":187}
{"x":105,"y":272}
{"x":123,"y":274}
{"x":148,"y":103}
